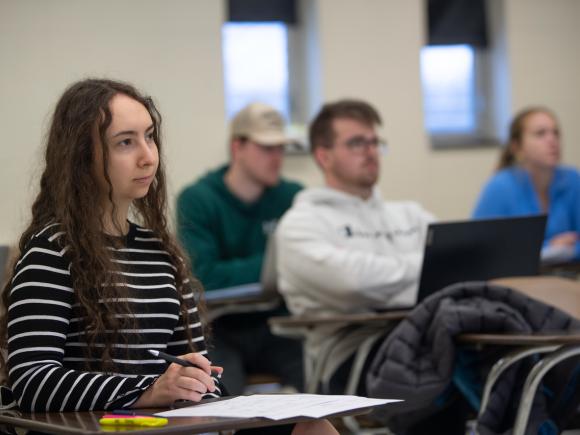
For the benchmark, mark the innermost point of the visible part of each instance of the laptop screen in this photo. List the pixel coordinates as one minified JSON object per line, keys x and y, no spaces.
{"x":480,"y":250}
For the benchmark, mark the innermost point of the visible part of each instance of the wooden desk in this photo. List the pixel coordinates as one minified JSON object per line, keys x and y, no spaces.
{"x":519,"y":339}
{"x":87,"y":423}
{"x":570,"y":269}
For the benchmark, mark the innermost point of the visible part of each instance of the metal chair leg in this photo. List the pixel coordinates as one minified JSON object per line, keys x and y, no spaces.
{"x":319,"y":364}
{"x":361,"y":356}
{"x":503,"y":364}
{"x":533,"y":380}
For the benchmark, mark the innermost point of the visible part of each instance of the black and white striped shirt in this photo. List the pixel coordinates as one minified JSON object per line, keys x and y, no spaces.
{"x":47,"y":349}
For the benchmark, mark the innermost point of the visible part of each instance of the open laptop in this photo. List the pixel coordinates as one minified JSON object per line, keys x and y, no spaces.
{"x":267,"y":286}
{"x":480,"y":250}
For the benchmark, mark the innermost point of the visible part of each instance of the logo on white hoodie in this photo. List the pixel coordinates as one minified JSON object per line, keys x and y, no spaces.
{"x":348,"y":231}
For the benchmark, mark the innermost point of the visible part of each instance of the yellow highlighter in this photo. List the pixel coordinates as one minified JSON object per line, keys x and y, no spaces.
{"x":132,"y":420}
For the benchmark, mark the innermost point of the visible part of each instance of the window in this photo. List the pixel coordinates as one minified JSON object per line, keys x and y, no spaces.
{"x":448,"y":77}
{"x":460,"y":75}
{"x":256,"y":65}
{"x":270,"y":54}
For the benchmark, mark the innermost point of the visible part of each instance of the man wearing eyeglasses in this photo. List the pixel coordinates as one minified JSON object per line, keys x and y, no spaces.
{"x":224,"y":220}
{"x":341,"y":247}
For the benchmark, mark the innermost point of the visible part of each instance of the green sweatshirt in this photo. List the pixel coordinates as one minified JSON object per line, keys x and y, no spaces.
{"x":225,"y":237}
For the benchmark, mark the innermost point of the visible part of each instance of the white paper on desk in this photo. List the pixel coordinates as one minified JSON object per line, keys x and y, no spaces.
{"x":277,"y":406}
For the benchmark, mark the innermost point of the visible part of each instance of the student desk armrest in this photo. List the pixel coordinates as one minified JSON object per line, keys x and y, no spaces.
{"x":562,"y":293}
{"x":519,"y":339}
{"x":238,"y":305}
{"x":298,"y":326}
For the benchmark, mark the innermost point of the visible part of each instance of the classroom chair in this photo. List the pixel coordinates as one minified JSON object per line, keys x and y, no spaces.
{"x":5,"y":254}
{"x":248,"y":304}
{"x":251,"y":298}
{"x":316,"y":372}
{"x":557,"y":291}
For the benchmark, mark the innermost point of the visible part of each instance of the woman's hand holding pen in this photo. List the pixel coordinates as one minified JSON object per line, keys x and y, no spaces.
{"x":180,"y":383}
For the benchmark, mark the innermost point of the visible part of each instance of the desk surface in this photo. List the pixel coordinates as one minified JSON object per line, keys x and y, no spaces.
{"x":570,"y":266}
{"x":519,"y":339}
{"x":217,"y":307}
{"x":285,"y":323}
{"x":362,"y":318}
{"x":87,"y":423}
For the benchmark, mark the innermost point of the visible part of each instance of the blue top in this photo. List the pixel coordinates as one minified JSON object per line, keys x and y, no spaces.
{"x":510,"y":192}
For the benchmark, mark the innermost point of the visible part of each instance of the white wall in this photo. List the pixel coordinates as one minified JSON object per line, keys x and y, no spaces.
{"x":544,"y":41}
{"x":172,"y":50}
{"x":367,"y":49}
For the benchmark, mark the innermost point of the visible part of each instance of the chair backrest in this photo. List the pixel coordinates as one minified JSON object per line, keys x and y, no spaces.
{"x":269,"y":273}
{"x":562,"y":293}
{"x":5,"y":255}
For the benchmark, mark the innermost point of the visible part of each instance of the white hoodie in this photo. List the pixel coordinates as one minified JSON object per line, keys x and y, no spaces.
{"x":338,"y":253}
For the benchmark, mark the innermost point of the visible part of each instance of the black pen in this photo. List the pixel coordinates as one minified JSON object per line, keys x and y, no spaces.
{"x":132,"y":413}
{"x":174,"y":359}
{"x":171,"y":358}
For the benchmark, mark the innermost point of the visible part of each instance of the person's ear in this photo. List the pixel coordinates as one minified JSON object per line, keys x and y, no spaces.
{"x":322,"y":156}
{"x":235,"y":146}
{"x":515,"y":150}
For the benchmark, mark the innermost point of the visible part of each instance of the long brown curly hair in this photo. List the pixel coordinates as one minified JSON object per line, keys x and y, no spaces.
{"x":68,"y":189}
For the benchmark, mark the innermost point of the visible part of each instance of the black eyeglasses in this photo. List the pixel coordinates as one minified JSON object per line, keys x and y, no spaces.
{"x":360,"y":144}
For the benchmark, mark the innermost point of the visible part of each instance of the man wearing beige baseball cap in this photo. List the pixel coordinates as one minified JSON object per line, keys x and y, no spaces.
{"x":224,"y":220}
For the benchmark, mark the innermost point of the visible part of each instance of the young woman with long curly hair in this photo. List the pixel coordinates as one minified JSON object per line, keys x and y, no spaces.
{"x":100,"y":281}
